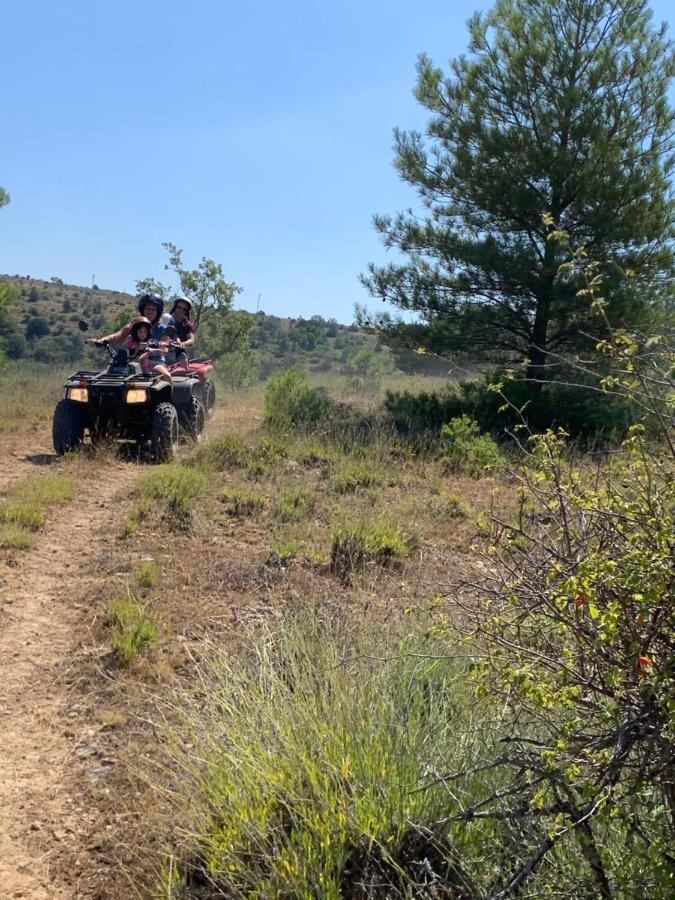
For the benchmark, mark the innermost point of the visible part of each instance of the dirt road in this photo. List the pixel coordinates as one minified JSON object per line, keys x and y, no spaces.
{"x":44,"y":629}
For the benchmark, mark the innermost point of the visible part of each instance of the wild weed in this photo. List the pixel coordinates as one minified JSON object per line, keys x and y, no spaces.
{"x":131,"y":631}
{"x":354,"y":475}
{"x":177,"y":485}
{"x":14,"y":537}
{"x":146,"y":575}
{"x":136,"y":516}
{"x":241,"y":503}
{"x":353,"y":547}
{"x":315,"y":769}
{"x":294,"y":505}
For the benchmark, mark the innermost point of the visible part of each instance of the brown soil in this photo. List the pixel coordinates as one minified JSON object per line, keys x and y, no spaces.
{"x":44,"y":630}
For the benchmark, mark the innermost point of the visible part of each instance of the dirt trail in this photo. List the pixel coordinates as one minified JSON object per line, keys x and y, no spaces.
{"x":43,"y":625}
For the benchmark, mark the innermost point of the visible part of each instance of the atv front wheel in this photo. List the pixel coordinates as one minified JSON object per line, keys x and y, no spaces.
{"x":192,"y":420}
{"x":67,"y":426}
{"x":164,"y":436}
{"x":209,"y":398}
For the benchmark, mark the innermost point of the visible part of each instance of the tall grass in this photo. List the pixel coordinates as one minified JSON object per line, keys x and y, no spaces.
{"x":31,"y":393}
{"x":24,"y":508}
{"x":307,"y":769}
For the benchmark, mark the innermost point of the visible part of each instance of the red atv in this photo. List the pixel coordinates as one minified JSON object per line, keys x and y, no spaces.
{"x":199,"y":367}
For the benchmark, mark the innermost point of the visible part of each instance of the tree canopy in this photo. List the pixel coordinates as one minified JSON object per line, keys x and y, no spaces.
{"x":204,"y":286}
{"x":557,"y":121}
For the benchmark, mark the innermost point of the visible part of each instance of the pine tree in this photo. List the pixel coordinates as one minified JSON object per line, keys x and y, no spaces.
{"x":558,"y":119}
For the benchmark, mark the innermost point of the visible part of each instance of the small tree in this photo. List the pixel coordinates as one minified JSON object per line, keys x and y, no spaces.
{"x":204,"y":286}
{"x":4,"y":197}
{"x":561,"y":109}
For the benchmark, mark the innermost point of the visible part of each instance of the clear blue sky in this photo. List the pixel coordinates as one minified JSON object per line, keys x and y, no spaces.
{"x":259,"y":134}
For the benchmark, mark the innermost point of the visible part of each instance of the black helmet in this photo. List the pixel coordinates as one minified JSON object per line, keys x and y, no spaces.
{"x":151,"y":300}
{"x":182,"y":300}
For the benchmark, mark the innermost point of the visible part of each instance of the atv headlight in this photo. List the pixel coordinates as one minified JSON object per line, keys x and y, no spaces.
{"x":137,"y":395}
{"x":78,"y":394}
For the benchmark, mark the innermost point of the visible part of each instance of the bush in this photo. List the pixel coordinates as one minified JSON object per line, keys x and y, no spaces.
{"x":290,"y":403}
{"x":583,"y":412}
{"x":464,"y":449}
{"x":423,"y":413}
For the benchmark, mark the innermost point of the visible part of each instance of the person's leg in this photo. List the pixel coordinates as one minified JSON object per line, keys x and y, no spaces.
{"x":163,"y":372}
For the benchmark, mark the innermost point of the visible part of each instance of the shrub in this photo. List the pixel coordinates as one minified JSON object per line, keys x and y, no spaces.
{"x":290,"y":403}
{"x":353,"y":547}
{"x":312,"y":454}
{"x":464,"y":449}
{"x":582,"y":411}
{"x":422,"y":413}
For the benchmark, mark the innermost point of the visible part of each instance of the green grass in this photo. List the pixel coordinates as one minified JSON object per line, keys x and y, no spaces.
{"x":23,"y":515}
{"x":282,"y":553}
{"x":313,"y":769}
{"x":174,"y":484}
{"x":131,"y":631}
{"x":354,"y":475}
{"x":355,"y":546}
{"x":25,"y":507}
{"x":294,"y":505}
{"x":241,"y":502}
{"x":140,"y":512}
{"x":14,"y":537}
{"x":146,"y":575}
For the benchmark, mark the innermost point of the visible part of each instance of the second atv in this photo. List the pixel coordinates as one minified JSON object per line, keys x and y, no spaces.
{"x":125,"y":402}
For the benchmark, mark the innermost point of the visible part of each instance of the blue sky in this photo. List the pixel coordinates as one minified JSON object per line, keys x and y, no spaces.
{"x":257,"y":134}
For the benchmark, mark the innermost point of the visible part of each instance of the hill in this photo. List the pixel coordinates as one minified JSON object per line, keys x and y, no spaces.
{"x":39,"y":322}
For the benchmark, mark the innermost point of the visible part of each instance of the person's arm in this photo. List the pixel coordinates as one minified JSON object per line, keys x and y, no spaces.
{"x":189,"y":340}
{"x":115,"y":338}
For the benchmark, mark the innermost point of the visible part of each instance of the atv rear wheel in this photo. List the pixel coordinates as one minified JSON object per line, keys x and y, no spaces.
{"x":192,"y":420}
{"x":67,"y":426}
{"x":164,"y":436}
{"x":209,"y":398}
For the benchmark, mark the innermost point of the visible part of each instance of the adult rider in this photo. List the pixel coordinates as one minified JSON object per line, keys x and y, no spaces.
{"x":149,"y":305}
{"x":185,"y":330}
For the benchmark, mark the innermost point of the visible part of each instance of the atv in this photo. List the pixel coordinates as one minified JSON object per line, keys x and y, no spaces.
{"x":129,"y":404}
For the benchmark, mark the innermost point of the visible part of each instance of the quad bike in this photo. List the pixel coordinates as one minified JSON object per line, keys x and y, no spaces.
{"x":200,"y":367}
{"x":123,"y":401}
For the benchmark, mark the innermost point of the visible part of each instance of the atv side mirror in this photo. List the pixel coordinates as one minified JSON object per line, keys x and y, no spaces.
{"x":82,"y":325}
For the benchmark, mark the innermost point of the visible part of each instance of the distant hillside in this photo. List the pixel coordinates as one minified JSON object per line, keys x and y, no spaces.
{"x":40,"y":322}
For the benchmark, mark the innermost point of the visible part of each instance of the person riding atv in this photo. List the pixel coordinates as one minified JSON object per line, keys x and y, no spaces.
{"x":151,"y":307}
{"x":138,"y":344}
